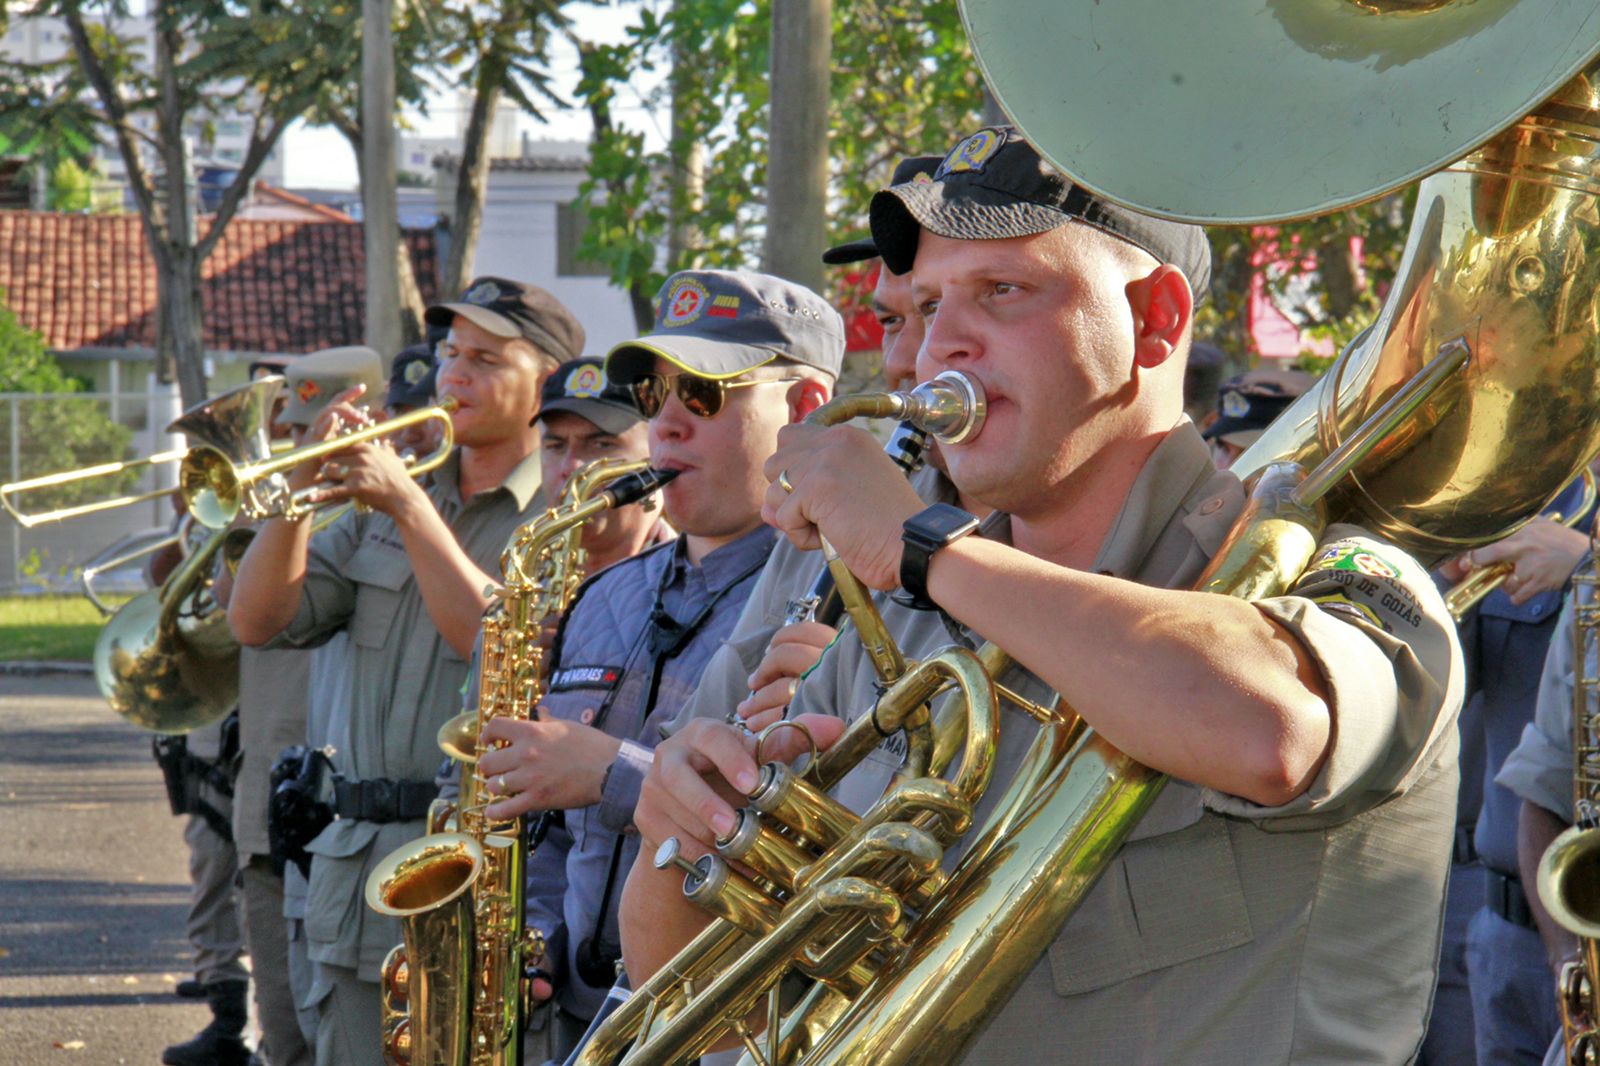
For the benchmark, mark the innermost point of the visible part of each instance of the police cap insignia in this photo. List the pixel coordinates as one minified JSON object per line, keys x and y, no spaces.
{"x":587,"y":382}
{"x":684,"y":302}
{"x":1235,"y":404}
{"x":415,"y":371}
{"x":972,"y":154}
{"x":486,"y":292}
{"x":308,"y":390}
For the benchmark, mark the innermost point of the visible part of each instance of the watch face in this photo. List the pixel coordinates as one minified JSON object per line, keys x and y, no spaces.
{"x":941,"y":522}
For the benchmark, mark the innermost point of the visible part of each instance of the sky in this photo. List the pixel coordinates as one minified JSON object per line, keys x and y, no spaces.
{"x":318,"y":157}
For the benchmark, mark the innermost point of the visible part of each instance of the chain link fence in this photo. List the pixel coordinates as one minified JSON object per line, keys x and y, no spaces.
{"x":55,"y":433}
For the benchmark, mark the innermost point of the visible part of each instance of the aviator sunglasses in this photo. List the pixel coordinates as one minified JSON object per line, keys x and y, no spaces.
{"x":701,"y":397}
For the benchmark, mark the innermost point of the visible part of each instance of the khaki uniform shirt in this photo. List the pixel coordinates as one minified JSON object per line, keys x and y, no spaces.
{"x":273,"y":686}
{"x":1226,"y":933}
{"x":404,"y":682}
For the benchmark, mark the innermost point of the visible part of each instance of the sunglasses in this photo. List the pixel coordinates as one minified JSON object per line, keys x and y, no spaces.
{"x":701,"y":397}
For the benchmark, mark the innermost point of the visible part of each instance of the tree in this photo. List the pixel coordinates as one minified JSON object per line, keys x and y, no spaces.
{"x":903,"y":83}
{"x":264,"y":57}
{"x":501,"y":49}
{"x":62,"y":434}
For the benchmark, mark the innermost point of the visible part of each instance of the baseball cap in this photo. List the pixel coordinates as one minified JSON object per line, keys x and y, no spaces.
{"x":994,"y":185}
{"x":1250,"y":401}
{"x":582,"y":388}
{"x":721,"y":323}
{"x":916,"y":168}
{"x":508,"y":308}
{"x":412,"y":378}
{"x":312,"y":381}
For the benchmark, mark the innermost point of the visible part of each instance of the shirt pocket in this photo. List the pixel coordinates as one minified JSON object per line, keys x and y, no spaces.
{"x":382,"y":572}
{"x":1165,"y":900}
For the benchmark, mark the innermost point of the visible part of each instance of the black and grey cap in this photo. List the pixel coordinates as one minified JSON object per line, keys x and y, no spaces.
{"x":917,"y":168}
{"x":721,"y":323}
{"x":993,"y":185}
{"x":1248,"y":403}
{"x":508,"y":308}
{"x":413,"y":377}
{"x":582,"y":388}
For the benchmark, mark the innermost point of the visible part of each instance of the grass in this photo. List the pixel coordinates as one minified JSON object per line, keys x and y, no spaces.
{"x":50,"y":627}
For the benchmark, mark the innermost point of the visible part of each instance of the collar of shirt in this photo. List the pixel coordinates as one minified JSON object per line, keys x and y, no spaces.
{"x":1179,"y":482}
{"x":523,"y":482}
{"x":725,"y":565}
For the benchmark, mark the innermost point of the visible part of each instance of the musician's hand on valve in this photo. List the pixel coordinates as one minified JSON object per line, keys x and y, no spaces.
{"x":547,"y":764}
{"x":794,"y":650}
{"x":703,"y":772}
{"x":835,"y":481}
{"x":1543,"y":552}
{"x":340,"y":416}
{"x":371,"y":474}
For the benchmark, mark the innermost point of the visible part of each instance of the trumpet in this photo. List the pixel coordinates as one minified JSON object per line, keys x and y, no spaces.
{"x":217,"y":489}
{"x":232,"y":423}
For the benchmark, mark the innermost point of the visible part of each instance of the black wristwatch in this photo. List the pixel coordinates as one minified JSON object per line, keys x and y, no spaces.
{"x":925,"y":533}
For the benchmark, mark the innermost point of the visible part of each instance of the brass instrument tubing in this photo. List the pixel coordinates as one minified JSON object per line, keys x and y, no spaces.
{"x":729,"y":994}
{"x":1342,"y":461}
{"x":815,"y":816}
{"x":776,"y":858}
{"x":731,"y":896}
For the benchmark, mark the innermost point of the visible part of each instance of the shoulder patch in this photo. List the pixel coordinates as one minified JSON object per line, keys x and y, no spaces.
{"x":1350,"y":579}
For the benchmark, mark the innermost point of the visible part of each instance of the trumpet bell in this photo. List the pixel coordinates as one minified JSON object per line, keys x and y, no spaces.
{"x":167,"y":676}
{"x":1271,"y":109}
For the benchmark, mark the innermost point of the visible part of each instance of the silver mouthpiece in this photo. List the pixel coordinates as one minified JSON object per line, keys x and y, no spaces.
{"x":951,"y":407}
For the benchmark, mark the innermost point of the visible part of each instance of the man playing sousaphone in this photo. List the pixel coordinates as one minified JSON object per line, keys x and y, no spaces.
{"x":1280,"y":902}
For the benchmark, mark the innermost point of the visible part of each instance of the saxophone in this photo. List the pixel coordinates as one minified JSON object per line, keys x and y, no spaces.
{"x":1569,"y":871}
{"x":454,"y":991}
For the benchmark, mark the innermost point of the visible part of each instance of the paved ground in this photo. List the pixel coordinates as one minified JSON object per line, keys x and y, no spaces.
{"x":93,"y":885}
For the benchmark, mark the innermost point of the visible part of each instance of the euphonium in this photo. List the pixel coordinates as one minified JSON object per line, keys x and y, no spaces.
{"x":1569,"y":871}
{"x":453,"y":992}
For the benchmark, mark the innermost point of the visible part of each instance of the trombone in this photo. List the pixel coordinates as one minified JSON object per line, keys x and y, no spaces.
{"x":9,"y":491}
{"x":217,"y":489}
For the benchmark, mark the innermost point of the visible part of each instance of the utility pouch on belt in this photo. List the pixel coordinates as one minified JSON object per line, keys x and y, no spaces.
{"x":172,"y":755}
{"x":301,"y":805}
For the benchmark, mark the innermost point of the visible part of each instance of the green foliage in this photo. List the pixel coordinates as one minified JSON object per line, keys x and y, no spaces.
{"x":56,"y":434}
{"x":903,"y":84}
{"x":71,"y":187}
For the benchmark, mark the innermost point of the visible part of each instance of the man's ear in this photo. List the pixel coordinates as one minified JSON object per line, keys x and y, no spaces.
{"x":805,"y":396}
{"x":1163,"y":308}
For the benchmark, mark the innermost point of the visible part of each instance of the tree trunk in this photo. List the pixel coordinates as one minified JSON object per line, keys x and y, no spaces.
{"x":412,"y":304}
{"x":180,"y":340}
{"x":472,"y":176}
{"x":378,"y":199}
{"x":797,"y":161}
{"x":688,"y":161}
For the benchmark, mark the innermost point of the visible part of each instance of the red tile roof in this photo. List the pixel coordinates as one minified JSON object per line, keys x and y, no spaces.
{"x":87,"y":281}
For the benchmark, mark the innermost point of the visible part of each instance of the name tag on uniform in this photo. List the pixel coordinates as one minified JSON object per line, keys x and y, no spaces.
{"x":604,"y":678}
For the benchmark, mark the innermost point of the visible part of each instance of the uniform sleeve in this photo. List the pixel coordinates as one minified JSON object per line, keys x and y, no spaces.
{"x":328,"y":596}
{"x":1377,"y":630}
{"x":619,"y":794}
{"x":1539,"y":768}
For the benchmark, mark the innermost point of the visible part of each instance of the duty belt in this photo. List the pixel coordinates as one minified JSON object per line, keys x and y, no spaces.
{"x":382,"y":800}
{"x":1507,"y":899}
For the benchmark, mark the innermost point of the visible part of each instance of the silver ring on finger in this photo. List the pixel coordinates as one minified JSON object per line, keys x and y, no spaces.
{"x":500,"y":785}
{"x":783,"y":480}
{"x":335,"y":471}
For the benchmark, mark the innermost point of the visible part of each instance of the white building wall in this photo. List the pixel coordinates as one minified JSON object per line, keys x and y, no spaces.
{"x":519,"y":240}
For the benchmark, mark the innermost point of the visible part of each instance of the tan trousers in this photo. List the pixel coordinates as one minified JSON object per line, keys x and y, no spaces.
{"x":265,"y":930}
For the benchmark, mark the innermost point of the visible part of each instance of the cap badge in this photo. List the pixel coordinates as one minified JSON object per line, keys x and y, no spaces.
{"x":684,"y":302}
{"x":415,"y":371}
{"x":1234,"y":404}
{"x":308,"y":390}
{"x":586,"y":382}
{"x":724,"y":307}
{"x":922,"y":177}
{"x":972,"y":154}
{"x":485,"y":292}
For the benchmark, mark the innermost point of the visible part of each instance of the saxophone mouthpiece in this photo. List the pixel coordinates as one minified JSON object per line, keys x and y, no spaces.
{"x":632,"y":488}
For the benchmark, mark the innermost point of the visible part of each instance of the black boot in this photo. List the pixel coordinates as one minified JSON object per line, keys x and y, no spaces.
{"x":189,"y":988}
{"x":222,"y":1042}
